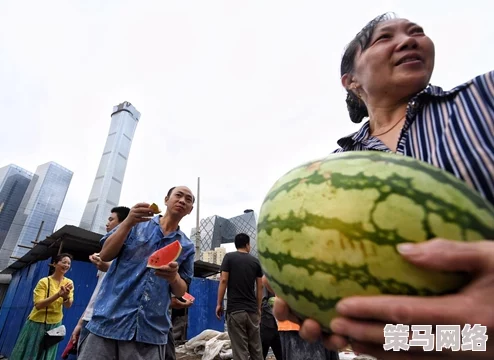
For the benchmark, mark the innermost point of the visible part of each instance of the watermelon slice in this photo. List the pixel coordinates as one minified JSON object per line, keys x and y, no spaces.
{"x":165,"y":255}
{"x":155,"y":208}
{"x":189,"y":297}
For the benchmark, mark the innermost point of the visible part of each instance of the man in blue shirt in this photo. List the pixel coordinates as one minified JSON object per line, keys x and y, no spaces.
{"x":130,"y":319}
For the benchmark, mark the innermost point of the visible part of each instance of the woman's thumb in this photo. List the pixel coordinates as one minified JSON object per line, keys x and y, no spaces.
{"x":449,"y":255}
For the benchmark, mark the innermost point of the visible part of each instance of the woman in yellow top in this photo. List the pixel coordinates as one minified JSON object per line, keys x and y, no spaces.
{"x":51,"y":294}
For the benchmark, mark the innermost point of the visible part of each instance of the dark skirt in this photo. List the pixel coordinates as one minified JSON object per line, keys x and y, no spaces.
{"x":295,"y":348}
{"x":27,"y":345}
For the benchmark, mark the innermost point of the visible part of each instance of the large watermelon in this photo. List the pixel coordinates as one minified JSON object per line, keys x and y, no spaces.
{"x":329,"y":229}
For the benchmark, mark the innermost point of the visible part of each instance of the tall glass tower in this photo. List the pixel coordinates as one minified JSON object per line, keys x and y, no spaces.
{"x":107,"y":186}
{"x":14,"y":181}
{"x":38,"y":212}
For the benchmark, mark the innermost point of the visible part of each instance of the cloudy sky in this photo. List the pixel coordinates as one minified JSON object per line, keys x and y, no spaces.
{"x":236,"y":92}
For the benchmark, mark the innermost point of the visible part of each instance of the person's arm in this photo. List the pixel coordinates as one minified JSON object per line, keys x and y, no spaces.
{"x":266,"y":284}
{"x":221,"y":293}
{"x":67,"y":304}
{"x":225,"y":275}
{"x":41,"y":290}
{"x":114,"y":242}
{"x":177,"y":304}
{"x":77,"y":330}
{"x":259,"y":294}
{"x":69,"y":298}
{"x":259,"y":286}
{"x":178,"y":285}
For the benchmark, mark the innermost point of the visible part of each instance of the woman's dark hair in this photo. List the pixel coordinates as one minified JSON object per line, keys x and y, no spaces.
{"x":57,"y":258}
{"x":356,"y":107}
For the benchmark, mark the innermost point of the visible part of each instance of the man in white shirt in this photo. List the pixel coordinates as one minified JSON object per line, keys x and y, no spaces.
{"x":118,"y":214}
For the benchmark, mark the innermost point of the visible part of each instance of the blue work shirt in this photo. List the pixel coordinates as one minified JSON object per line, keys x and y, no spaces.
{"x":133,"y":302}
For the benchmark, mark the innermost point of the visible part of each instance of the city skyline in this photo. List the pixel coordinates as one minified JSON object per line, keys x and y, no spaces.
{"x":107,"y":186}
{"x":38,"y":212}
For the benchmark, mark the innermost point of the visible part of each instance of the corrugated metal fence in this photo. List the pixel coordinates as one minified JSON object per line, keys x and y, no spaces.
{"x":3,"y":292}
{"x":202,"y":315}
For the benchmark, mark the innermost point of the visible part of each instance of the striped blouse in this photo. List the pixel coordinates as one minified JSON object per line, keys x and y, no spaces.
{"x":452,"y":130}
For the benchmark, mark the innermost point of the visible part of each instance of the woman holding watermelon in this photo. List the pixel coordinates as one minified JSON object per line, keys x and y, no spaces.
{"x":386,"y":70}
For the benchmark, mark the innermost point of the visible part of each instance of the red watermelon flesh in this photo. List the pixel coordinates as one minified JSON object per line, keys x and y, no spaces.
{"x":165,"y":255}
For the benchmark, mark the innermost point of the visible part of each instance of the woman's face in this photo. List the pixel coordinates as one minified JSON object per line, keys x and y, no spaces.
{"x":63,"y":265}
{"x":398,"y":61}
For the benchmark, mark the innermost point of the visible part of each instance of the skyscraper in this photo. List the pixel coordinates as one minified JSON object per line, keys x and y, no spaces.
{"x":216,"y":230}
{"x":38,"y":213}
{"x":14,"y":181}
{"x":107,"y":186}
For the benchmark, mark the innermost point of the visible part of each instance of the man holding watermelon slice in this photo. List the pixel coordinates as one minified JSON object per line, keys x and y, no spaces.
{"x":131,"y":319}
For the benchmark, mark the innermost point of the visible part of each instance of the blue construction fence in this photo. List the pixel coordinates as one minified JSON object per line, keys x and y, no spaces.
{"x":18,"y":303}
{"x":202,"y":315}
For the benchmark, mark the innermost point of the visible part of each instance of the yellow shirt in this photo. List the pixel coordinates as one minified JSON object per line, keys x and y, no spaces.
{"x":55,"y":313}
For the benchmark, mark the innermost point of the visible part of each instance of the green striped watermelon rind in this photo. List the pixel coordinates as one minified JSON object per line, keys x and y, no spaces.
{"x":292,"y":227}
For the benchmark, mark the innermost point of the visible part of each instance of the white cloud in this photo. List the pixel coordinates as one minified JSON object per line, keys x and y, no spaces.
{"x":235,"y":92}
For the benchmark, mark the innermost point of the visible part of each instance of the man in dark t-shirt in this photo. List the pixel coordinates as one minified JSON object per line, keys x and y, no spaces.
{"x":241,"y":274}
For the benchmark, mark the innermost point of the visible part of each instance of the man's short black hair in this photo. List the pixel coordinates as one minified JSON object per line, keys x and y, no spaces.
{"x":121,"y":211}
{"x":173,"y":188}
{"x":241,"y":240}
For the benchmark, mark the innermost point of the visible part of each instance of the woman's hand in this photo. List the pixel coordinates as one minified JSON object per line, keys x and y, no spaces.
{"x":64,"y":291}
{"x":363,"y":318}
